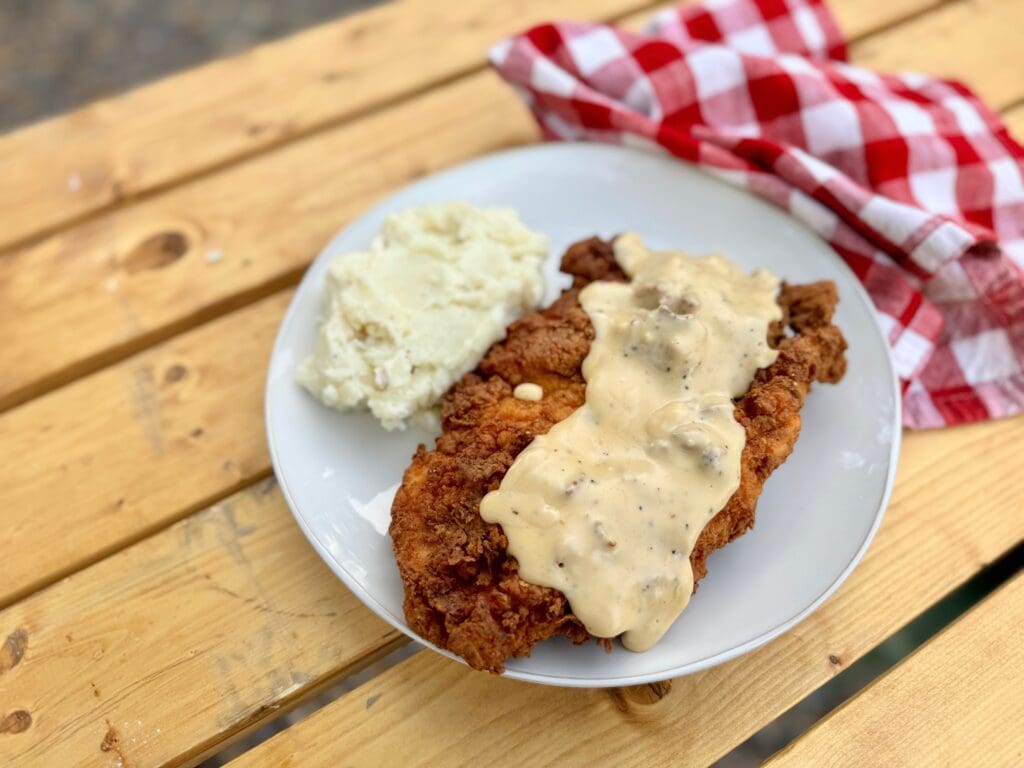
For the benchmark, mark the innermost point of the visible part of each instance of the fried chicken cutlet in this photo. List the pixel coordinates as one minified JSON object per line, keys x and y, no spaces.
{"x":462,"y":588}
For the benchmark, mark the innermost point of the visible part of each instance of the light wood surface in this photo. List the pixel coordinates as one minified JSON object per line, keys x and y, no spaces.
{"x":942,"y":526}
{"x":859,"y":19}
{"x":146,"y":271}
{"x":970,"y":41}
{"x":158,"y":284}
{"x":184,"y":640}
{"x":143,"y":272}
{"x":73,"y":165}
{"x":251,"y":554}
{"x":956,"y":701}
{"x":151,"y":269}
{"x":116,"y":455}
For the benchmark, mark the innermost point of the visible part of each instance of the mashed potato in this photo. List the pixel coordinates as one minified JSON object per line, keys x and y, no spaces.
{"x":408,"y":317}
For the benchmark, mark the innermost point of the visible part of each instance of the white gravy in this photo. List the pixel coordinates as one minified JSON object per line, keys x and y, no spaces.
{"x":607,"y":506}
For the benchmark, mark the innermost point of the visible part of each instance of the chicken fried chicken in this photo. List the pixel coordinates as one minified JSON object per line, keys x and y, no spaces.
{"x":462,"y":588}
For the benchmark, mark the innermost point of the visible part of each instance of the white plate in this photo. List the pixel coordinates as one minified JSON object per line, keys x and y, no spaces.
{"x":818,"y":512}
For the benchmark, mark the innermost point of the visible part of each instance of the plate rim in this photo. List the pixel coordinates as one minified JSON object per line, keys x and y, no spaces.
{"x":537,"y":677}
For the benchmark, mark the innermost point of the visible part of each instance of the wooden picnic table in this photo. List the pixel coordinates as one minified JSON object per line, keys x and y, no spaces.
{"x":157,"y":601}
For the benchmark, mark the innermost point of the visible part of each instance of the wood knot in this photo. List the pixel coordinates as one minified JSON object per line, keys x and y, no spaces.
{"x":13,"y":649}
{"x":17,"y":721}
{"x":157,"y":252}
{"x":175,"y":373}
{"x":110,"y":740}
{"x":636,"y":697}
{"x":112,"y":743}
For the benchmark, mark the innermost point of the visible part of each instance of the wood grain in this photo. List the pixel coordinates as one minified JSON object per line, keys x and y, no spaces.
{"x":117,"y":148}
{"x":187,"y":639}
{"x":144,"y":271}
{"x":111,"y":457}
{"x":942,"y":526}
{"x":167,"y":649}
{"x":115,"y":284}
{"x":977,"y":42}
{"x":956,"y":701}
{"x":861,"y":18}
{"x":202,"y":631}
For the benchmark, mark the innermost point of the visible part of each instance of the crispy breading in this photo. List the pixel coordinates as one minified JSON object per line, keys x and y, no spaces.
{"x":462,"y":589}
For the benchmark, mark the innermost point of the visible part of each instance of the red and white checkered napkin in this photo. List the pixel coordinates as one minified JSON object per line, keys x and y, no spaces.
{"x":911,"y":179}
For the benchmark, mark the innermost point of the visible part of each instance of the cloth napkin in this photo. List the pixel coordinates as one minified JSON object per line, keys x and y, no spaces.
{"x":911,"y":179}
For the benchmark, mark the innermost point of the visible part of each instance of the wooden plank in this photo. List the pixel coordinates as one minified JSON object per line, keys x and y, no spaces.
{"x":162,"y":652}
{"x":965,"y":552}
{"x":860,"y":18}
{"x":977,"y":42}
{"x":111,"y":286}
{"x":956,"y":701}
{"x":71,"y":166}
{"x":118,"y":148}
{"x":186,"y":639}
{"x":120,"y":453}
{"x":106,"y":288}
{"x":942,"y":526}
{"x":116,"y":283}
{"x":857,"y":18}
